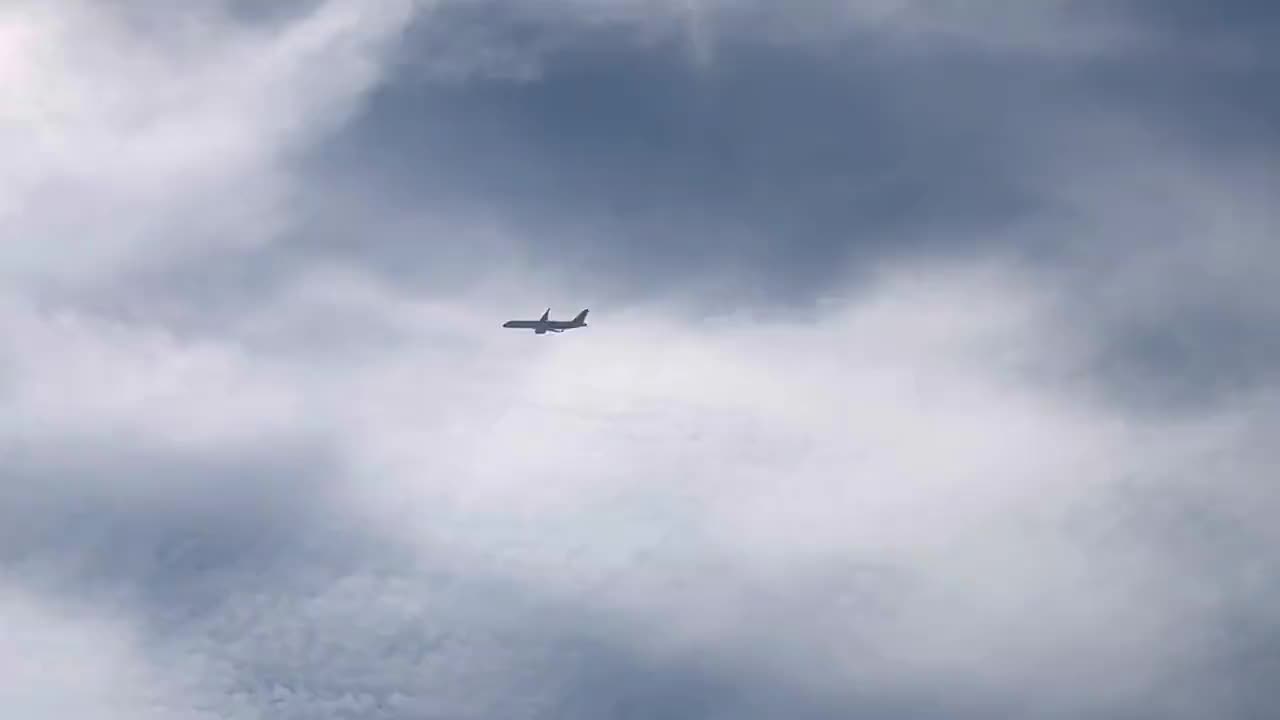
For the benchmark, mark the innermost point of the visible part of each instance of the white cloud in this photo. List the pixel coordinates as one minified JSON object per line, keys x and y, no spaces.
{"x":885,"y":497}
{"x":906,"y":491}
{"x":897,"y":477}
{"x":59,"y":660}
{"x":125,"y":146}
{"x":72,"y":375}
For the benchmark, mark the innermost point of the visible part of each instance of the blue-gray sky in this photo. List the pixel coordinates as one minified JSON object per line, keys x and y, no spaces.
{"x":931,"y":371}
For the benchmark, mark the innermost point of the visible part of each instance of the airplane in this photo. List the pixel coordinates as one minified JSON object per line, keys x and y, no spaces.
{"x":544,"y":324}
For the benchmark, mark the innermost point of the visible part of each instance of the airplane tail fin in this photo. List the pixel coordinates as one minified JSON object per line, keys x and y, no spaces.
{"x":546,"y":315}
{"x":582,"y":317}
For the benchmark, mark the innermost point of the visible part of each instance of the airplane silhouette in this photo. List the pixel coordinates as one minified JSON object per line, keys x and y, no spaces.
{"x":544,"y":324}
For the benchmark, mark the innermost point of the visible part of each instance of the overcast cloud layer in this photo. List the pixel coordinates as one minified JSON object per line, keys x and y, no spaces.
{"x":931,"y":374}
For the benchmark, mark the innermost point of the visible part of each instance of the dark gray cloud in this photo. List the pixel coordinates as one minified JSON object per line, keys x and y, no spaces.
{"x":783,"y":161}
{"x":162,"y":526}
{"x":778,"y":163}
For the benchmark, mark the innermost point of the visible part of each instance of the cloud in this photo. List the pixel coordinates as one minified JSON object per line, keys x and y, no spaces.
{"x":898,"y":496}
{"x":992,"y":453}
{"x":59,"y":658}
{"x":127,"y":144}
{"x":775,"y":168}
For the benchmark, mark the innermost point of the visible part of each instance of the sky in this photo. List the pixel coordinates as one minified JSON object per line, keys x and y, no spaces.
{"x":931,"y":366}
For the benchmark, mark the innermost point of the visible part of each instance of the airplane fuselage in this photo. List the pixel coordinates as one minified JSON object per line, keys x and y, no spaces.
{"x":544,"y":324}
{"x":540,"y":327}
